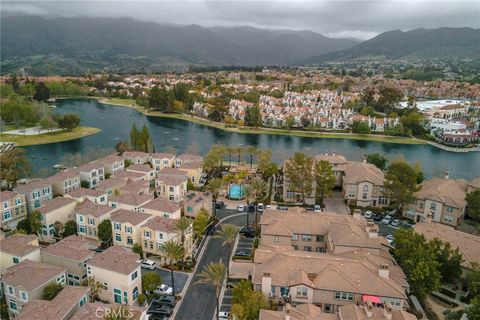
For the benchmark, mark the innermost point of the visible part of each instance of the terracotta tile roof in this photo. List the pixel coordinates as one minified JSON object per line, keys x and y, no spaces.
{"x":87,"y":167}
{"x":110,"y":159}
{"x":19,"y":244}
{"x":31,"y":274}
{"x":161,"y":224}
{"x":475,"y":183}
{"x":55,"y":203}
{"x":87,"y":207}
{"x":134,"y":154}
{"x":332,"y":158}
{"x":64,"y":175}
{"x":72,"y":248}
{"x":135,"y":187}
{"x":162,"y":155}
{"x":89,"y":311}
{"x":172,"y":180}
{"x":32,"y":185}
{"x":116,"y":259}
{"x":171,"y":172}
{"x":468,"y":244}
{"x":127,"y":175}
{"x":304,"y":311}
{"x":162,"y":205}
{"x":189,"y":157}
{"x":7,"y":195}
{"x":354,"y":312}
{"x":192,"y":165}
{"x":139,"y":167}
{"x":86,"y":192}
{"x":58,"y":308}
{"x":132,"y":199}
{"x":132,"y":217}
{"x":357,"y":172}
{"x":451,"y":192}
{"x":104,"y":185}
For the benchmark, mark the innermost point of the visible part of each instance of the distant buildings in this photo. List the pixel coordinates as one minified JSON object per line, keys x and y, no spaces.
{"x":14,"y":209}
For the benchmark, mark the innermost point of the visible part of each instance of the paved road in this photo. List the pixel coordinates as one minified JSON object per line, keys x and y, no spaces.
{"x":336,"y":203}
{"x":199,"y":300}
{"x":180,"y":278}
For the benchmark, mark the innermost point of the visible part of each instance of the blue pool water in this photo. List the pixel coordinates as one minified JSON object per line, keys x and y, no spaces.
{"x":235,"y":191}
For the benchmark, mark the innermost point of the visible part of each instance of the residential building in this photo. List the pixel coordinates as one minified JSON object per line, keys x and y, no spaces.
{"x":25,"y":281}
{"x":89,"y":216}
{"x":129,"y":176}
{"x":58,"y":209}
{"x":14,"y":209}
{"x":111,"y":186}
{"x":92,"y":311}
{"x":112,"y":163}
{"x":139,"y":187}
{"x":159,"y":230}
{"x":136,"y":157}
{"x":194,"y":172}
{"x":130,"y":201}
{"x":118,"y":270}
{"x":160,"y":161}
{"x":171,"y":184}
{"x":93,"y":195}
{"x":145,"y":169}
{"x":363,"y":185}
{"x":92,"y":172}
{"x":196,"y":201}
{"x":64,"y":182}
{"x":16,"y":248}
{"x":439,"y":200}
{"x":338,"y":163}
{"x":185,"y":158}
{"x":62,"y":307}
{"x":473,"y":185}
{"x":71,"y":253}
{"x":162,"y":208}
{"x":36,"y":192}
{"x":126,"y":227}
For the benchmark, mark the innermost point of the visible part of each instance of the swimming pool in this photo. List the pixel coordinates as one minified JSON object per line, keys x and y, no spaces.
{"x":235,"y":191}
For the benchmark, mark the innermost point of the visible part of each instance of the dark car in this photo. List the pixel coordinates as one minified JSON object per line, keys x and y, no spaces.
{"x":165,"y":299}
{"x":251,"y":208}
{"x":219,"y":204}
{"x":158,"y":311}
{"x":242,"y":254}
{"x":377,"y":217}
{"x":248,"y":232}
{"x":211,"y":229}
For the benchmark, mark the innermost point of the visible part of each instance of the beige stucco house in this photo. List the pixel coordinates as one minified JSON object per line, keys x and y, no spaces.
{"x":126,"y":227}
{"x":16,"y":248}
{"x":14,"y":209}
{"x":64,"y":182}
{"x":162,"y":208}
{"x":196,"y":201}
{"x":58,"y":209}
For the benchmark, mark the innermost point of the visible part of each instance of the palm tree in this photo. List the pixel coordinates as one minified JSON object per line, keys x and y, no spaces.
{"x":173,"y":251}
{"x":248,"y":194}
{"x":239,"y":151}
{"x":259,"y":187}
{"x":214,"y":186}
{"x":181,"y":226}
{"x":213,"y":274}
{"x":251,"y":151}
{"x":228,"y":233}
{"x":229,"y":150}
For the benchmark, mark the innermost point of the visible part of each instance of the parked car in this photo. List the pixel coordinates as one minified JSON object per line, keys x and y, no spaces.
{"x":377,"y":217}
{"x":396,"y":222}
{"x":147,"y":264}
{"x":251,"y":208}
{"x":160,"y":310}
{"x":164,"y":299}
{"x":387,"y":219}
{"x":260,"y":207}
{"x":211,"y":229}
{"x":248,"y":232}
{"x":390,"y":238}
{"x":317,"y":208}
{"x":268,"y":207}
{"x":282,"y":208}
{"x":223,"y":315}
{"x":163,"y":289}
{"x":242,"y":254}
{"x":406,"y":224}
{"x":219,"y":204}
{"x":368,"y":214}
{"x":240,"y":208}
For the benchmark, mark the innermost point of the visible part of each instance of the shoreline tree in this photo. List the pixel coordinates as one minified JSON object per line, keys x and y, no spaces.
{"x":324,"y":181}
{"x":298,"y":171}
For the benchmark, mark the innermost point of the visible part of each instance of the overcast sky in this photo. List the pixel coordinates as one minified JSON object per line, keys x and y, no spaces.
{"x":359,"y":19}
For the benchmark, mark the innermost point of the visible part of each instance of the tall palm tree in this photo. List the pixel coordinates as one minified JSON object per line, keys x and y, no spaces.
{"x":213,"y":274}
{"x":172,"y":251}
{"x":239,"y":151}
{"x":259,"y":187}
{"x":229,"y":150}
{"x":214,"y":186}
{"x":228,"y":233}
{"x":181,"y":226}
{"x":248,"y":193}
{"x":251,"y":150}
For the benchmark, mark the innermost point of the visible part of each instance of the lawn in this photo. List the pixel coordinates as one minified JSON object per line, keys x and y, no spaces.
{"x":60,"y":136}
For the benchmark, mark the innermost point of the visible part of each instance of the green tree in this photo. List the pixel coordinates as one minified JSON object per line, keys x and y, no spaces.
{"x":361,"y":127}
{"x":15,"y":84}
{"x":51,"y":291}
{"x":181,"y":227}
{"x":201,"y":222}
{"x":134,"y":135}
{"x":265,"y":165}
{"x":215,"y":185}
{"x":95,"y":288}
{"x":389,"y":97}
{"x":42,"y":93}
{"x":259,"y":189}
{"x":214,"y":158}
{"x":228,"y":234}
{"x":70,"y":228}
{"x":449,"y":260}
{"x":473,"y":310}
{"x":290,"y":122}
{"x":253,"y":116}
{"x":472,"y":279}
{"x":401,"y":183}
{"x":251,"y":150}
{"x":137,"y":248}
{"x":105,"y":232}
{"x":69,"y":121}
{"x":48,"y":123}
{"x":473,"y":204}
{"x":247,"y":302}
{"x":298,"y":171}
{"x":150,"y":281}
{"x":324,"y":180}
{"x":36,"y":223}
{"x":412,"y":121}
{"x":418,"y":261}
{"x":378,"y":160}
{"x":172,"y":251}
{"x":122,"y":146}
{"x":24,"y":225}
{"x":14,"y":165}
{"x":4,"y":307}
{"x":213,"y":274}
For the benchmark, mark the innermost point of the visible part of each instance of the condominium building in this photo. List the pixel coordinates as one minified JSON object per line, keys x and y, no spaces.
{"x":162,"y":208}
{"x":126,"y":226}
{"x":145,"y":169}
{"x":112,"y":163}
{"x":36,"y":192}
{"x":89,"y":216}
{"x":162,"y":160}
{"x":56,"y":210}
{"x":136,"y":157}
{"x":16,"y":248}
{"x":112,"y":185}
{"x":195,"y":201}
{"x":93,"y":195}
{"x":128,"y":201}
{"x":64,"y":182}
{"x":92,"y":173}
{"x":363,"y":185}
{"x":14,"y":209}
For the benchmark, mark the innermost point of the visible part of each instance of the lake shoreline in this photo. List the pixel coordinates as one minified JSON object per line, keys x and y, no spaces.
{"x":52,"y":137}
{"x":248,"y":130}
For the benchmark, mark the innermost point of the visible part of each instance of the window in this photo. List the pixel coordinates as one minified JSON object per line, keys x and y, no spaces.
{"x":306,"y":237}
{"x":82,"y":229}
{"x":421,"y":205}
{"x":171,"y":189}
{"x":365,"y":188}
{"x":15,"y":260}
{"x":320,"y":238}
{"x":275,"y":239}
{"x":118,"y":237}
{"x":128,"y":229}
{"x":302,"y":292}
{"x":117,"y":296}
{"x":61,"y":279}
{"x":5,"y":205}
{"x":171,"y":198}
{"x":91,"y":221}
{"x":7,"y":215}
{"x":160,"y":236}
{"x":102,"y":199}
{"x":448,"y":219}
{"x":295,"y":247}
{"x":23,"y":296}
{"x":320,"y":249}
{"x":189,"y":209}
{"x":382,"y":200}
{"x":46,"y":191}
{"x":113,"y":205}
{"x":18,"y":201}
{"x":328,"y":308}
{"x":80,"y":218}
{"x":117,"y":226}
{"x":294,"y":237}
{"x":166,"y":215}
{"x":433,"y":206}
{"x":10,"y":290}
{"x":13,"y":304}
{"x":134,"y":275}
{"x":307,"y":248}
{"x":344,"y":296}
{"x":364,"y":196}
{"x":449,"y":209}
{"x":135,"y":293}
{"x":83,"y":301}
{"x":147,"y":234}
{"x":129,"y":240}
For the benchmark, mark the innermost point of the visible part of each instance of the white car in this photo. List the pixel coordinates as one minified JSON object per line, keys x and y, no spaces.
{"x":163,"y":289}
{"x":317,"y":208}
{"x":396,"y":222}
{"x":390,"y":238}
{"x":241,"y":208}
{"x":387,"y":219}
{"x":260,"y":207}
{"x":223,"y":315}
{"x":368,"y":214}
{"x":268,"y":207}
{"x":147,"y":264}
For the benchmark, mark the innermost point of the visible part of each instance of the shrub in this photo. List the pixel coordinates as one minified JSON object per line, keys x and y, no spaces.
{"x":141,"y":299}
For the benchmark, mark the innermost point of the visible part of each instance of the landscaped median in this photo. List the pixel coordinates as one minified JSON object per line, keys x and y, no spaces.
{"x":52,"y":137}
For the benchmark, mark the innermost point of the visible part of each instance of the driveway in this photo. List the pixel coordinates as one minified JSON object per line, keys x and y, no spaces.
{"x":336,"y":203}
{"x":180,"y":278}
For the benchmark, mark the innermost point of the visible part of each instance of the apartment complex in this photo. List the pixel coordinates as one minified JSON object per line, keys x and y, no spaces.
{"x":112,"y":163}
{"x":196,"y":201}
{"x":64,"y":182}
{"x":126,"y":226}
{"x":89,"y":216}
{"x":36,"y":192}
{"x":17,"y":248}
{"x":92,"y":173}
{"x":56,"y":210}
{"x":162,"y":208}
{"x":129,"y":201}
{"x":162,"y":160}
{"x":14,"y":209}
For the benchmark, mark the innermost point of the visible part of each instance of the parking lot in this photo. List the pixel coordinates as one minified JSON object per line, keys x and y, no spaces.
{"x":244,"y":247}
{"x":180,"y":278}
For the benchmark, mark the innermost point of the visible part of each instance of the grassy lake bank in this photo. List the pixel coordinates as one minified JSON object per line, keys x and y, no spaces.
{"x":52,"y":137}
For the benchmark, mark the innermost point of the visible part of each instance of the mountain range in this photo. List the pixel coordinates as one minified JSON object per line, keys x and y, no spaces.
{"x":39,"y":45}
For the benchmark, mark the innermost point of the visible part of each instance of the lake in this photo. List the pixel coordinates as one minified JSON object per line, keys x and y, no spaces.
{"x":116,"y":123}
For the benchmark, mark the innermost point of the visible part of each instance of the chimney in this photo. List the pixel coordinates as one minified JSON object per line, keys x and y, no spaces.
{"x":372,"y":230}
{"x":266,"y":284}
{"x":287,"y":311}
{"x":383,"y":271}
{"x":387,"y":311}
{"x":368,"y":309}
{"x":357,"y":214}
{"x":447,"y":175}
